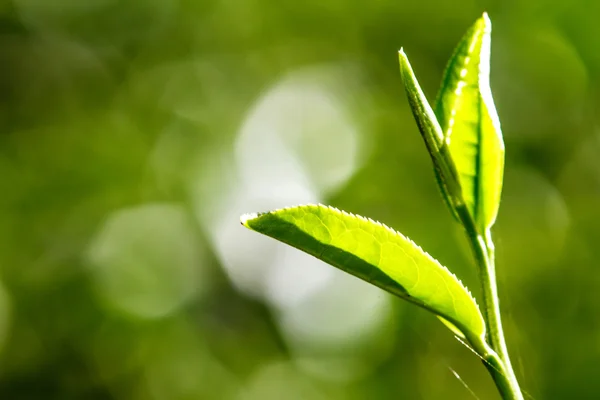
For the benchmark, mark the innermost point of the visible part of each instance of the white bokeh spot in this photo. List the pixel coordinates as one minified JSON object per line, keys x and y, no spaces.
{"x":147,"y":260}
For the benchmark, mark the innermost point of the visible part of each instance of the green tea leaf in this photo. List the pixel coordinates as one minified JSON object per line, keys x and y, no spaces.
{"x":424,"y":115}
{"x":376,"y":254}
{"x":470,"y":125}
{"x":445,"y":171}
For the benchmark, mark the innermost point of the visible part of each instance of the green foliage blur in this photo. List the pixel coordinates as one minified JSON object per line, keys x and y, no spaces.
{"x":134,"y":133}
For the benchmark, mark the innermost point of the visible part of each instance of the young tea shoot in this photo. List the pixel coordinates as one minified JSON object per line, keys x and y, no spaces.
{"x":463,"y":137}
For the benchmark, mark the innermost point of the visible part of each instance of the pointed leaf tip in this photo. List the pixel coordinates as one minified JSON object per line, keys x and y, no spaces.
{"x":247,"y":217}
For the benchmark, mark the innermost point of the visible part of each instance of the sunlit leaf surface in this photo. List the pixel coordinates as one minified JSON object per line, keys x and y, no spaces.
{"x":376,"y":254}
{"x":429,"y":127}
{"x":467,"y":115}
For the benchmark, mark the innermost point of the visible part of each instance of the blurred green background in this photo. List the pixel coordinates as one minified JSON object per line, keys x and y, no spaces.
{"x":134,"y":133}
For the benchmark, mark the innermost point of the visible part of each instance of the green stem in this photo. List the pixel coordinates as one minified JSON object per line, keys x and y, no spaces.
{"x":492,"y":304}
{"x":496,"y":357}
{"x":508,"y":388}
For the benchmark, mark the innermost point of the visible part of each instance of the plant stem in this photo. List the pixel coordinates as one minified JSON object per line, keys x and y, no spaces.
{"x":492,"y":305}
{"x":497,"y":358}
{"x":509,"y":389}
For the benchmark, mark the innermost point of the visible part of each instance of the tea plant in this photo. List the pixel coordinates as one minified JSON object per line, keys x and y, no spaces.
{"x":463,"y":137}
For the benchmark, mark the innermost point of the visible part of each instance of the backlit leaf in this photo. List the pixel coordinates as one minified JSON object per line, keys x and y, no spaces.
{"x":431,"y":131}
{"x":470,"y":125}
{"x":376,"y":254}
